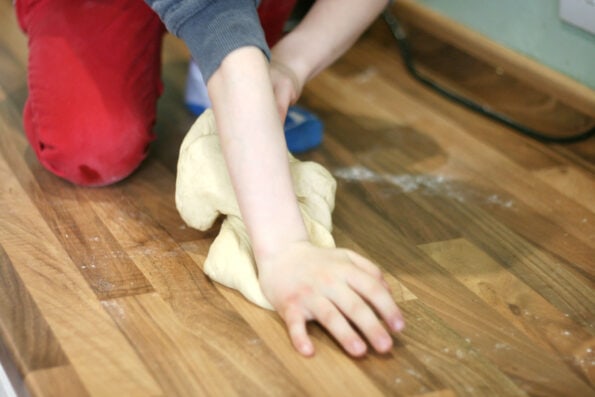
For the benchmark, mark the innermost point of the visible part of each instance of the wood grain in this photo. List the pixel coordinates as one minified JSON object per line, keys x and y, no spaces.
{"x":55,"y":382}
{"x":548,"y":80}
{"x":550,"y":329}
{"x":486,"y":238}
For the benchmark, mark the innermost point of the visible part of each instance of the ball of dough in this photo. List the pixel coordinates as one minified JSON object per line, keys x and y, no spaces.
{"x":204,"y":192}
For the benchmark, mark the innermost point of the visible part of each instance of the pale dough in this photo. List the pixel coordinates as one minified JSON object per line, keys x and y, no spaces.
{"x":204,"y":191}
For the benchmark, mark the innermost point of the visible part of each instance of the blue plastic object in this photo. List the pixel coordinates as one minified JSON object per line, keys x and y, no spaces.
{"x":303,"y":130}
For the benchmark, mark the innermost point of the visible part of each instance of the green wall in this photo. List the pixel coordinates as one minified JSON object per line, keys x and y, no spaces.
{"x":531,"y":27}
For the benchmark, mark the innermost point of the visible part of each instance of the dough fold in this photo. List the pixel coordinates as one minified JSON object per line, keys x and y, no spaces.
{"x":204,"y":192}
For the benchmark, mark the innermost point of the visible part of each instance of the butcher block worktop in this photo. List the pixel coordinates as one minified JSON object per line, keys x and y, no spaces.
{"x":486,"y":238}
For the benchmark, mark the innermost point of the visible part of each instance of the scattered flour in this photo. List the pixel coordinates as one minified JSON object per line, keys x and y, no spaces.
{"x":114,"y":308}
{"x":426,"y":184}
{"x":358,"y":173}
{"x":502,"y":346}
{"x":406,"y":182}
{"x":104,"y":285}
{"x":460,"y":354}
{"x":495,"y":199}
{"x":366,"y":75}
{"x":413,"y":373}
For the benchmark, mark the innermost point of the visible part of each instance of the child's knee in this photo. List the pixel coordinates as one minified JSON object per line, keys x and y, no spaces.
{"x":90,"y":155}
{"x":98,"y":163}
{"x":92,"y":93}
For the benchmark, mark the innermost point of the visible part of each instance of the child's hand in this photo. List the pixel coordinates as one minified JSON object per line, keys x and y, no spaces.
{"x":334,"y":287}
{"x":286,"y":86}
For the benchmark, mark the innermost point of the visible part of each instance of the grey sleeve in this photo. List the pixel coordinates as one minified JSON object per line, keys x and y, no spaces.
{"x":212,"y":28}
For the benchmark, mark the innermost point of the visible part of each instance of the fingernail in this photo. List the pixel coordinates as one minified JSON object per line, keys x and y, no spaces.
{"x":306,"y":349}
{"x":384,"y":343}
{"x":358,"y":347}
{"x":397,"y":325}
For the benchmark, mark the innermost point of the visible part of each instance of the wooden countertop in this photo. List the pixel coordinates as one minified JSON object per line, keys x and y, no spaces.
{"x":487,"y":239}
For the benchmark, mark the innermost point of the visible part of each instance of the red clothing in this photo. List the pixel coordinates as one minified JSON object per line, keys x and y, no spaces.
{"x":94,"y":81}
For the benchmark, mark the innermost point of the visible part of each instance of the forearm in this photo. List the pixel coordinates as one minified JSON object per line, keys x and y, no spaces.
{"x":327,"y":31}
{"x":253,"y":144}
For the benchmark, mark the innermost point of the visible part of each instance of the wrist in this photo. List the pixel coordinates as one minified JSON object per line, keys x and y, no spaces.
{"x":266,"y":252}
{"x":289,"y":73}
{"x":287,"y":53}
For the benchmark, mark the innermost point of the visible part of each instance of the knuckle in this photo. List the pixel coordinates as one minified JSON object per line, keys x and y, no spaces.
{"x":328,"y":316}
{"x":374,"y":286}
{"x":377,"y":271}
{"x":289,"y":308}
{"x":358,"y":310}
{"x":298,"y":296}
{"x":350,"y":255}
{"x":377,"y":294}
{"x":382,"y":300}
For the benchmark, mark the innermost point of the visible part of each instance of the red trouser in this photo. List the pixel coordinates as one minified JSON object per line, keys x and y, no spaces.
{"x":94,"y":81}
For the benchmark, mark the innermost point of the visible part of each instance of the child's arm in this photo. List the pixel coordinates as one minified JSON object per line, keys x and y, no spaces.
{"x":302,"y":282}
{"x":328,"y":30}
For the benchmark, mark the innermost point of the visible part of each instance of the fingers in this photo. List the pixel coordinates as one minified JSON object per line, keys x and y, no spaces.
{"x":364,"y":264}
{"x":333,"y":320}
{"x":285,"y":87}
{"x":289,"y":74}
{"x":346,"y":294}
{"x":380,"y":298}
{"x":283,"y":102}
{"x":282,"y":110}
{"x":360,"y":313}
{"x":296,"y":324}
{"x":329,"y":317}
